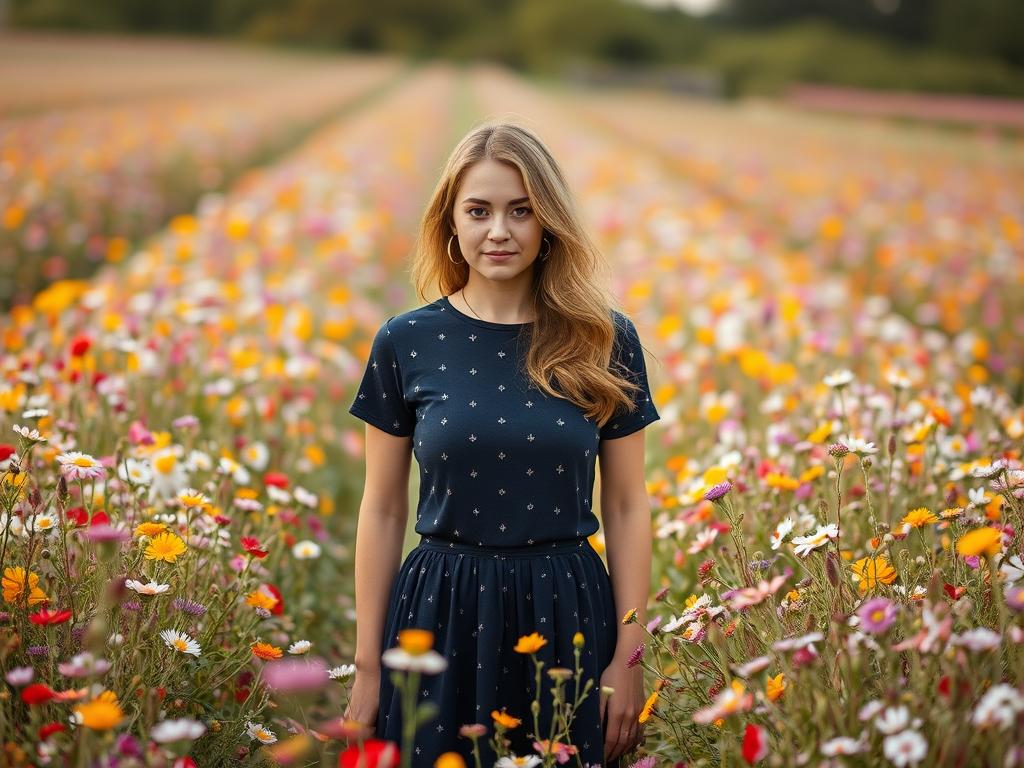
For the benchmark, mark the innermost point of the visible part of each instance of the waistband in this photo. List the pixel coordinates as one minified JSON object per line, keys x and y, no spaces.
{"x":523,"y":550}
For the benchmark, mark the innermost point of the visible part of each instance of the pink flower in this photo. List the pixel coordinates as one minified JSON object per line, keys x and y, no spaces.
{"x":876,"y":615}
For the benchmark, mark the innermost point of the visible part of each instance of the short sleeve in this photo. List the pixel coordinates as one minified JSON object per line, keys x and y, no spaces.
{"x":628,"y":361}
{"x":380,"y":399}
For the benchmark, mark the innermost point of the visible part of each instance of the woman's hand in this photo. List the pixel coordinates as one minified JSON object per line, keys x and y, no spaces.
{"x":365,"y":700}
{"x":622,"y":732}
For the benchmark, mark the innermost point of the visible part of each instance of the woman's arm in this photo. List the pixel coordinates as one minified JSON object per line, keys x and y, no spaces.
{"x":380,"y":533}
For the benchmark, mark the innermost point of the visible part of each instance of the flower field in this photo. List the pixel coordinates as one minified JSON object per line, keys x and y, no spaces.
{"x":833,"y":312}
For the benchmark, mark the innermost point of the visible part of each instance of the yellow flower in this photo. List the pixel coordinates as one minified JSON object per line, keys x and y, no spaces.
{"x":578,"y":640}
{"x":504,"y":719}
{"x":781,"y":481}
{"x":920,"y":517}
{"x":260,"y":599}
{"x":648,"y":708}
{"x":167,"y":546}
{"x":415,"y":641}
{"x":150,"y":529}
{"x":872,"y":570}
{"x":775,"y":686}
{"x":629,"y":616}
{"x":530,"y":643}
{"x":102,"y":713}
{"x":986,"y":540}
{"x":14,"y":586}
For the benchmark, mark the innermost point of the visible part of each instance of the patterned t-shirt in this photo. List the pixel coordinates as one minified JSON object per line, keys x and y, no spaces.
{"x":501,"y":462}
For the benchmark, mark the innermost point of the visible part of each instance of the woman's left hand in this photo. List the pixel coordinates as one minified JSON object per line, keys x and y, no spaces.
{"x":622,"y":732}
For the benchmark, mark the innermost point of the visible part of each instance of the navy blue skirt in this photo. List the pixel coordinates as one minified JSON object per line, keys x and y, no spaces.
{"x":478,"y":602}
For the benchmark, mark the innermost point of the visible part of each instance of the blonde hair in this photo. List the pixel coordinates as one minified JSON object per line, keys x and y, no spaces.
{"x":572,"y":337}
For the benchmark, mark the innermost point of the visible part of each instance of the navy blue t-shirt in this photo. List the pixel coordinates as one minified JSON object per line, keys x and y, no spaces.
{"x":501,"y":462}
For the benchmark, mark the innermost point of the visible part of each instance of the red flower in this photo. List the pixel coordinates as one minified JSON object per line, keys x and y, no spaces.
{"x":99,"y":517}
{"x":944,"y":685}
{"x":221,"y":520}
{"x":276,"y":479}
{"x":6,"y":451}
{"x":80,"y":345}
{"x":184,"y":762}
{"x":42,"y":617}
{"x":78,"y":515}
{"x":376,"y":753}
{"x":252,"y":546}
{"x":49,"y":729}
{"x":755,"y":743}
{"x":278,"y":608}
{"x":955,"y":593}
{"x":37,"y":693}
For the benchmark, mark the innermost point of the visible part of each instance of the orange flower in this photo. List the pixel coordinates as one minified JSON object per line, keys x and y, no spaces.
{"x":505,"y":720}
{"x":775,"y":686}
{"x":986,"y":540}
{"x":266,"y":651}
{"x":530,"y":643}
{"x":14,"y":586}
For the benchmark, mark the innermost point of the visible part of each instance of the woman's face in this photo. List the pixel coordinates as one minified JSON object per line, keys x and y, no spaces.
{"x":493,"y":215}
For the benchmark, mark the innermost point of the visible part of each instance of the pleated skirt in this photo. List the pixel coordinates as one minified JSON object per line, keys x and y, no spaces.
{"x":478,"y":601}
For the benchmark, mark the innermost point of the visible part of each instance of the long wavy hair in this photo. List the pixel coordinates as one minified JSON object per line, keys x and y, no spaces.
{"x":571,"y":340}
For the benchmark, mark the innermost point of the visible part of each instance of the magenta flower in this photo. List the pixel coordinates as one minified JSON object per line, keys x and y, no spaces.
{"x":1015,"y":598}
{"x":716,"y":492}
{"x":876,"y":615}
{"x":296,"y":675}
{"x":635,"y":656}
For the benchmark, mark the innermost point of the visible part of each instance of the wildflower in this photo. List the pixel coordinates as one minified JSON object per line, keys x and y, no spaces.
{"x":252,"y":545}
{"x":167,"y":547}
{"x":181,"y":642}
{"x":751,"y":596}
{"x":37,"y":693}
{"x":14,"y":585}
{"x":562,"y":752}
{"x":578,"y":640}
{"x":906,"y":748}
{"x":716,"y":492}
{"x":876,"y":615}
{"x":43,"y":523}
{"x":190,"y":607}
{"x":375,"y":753}
{"x":648,"y":708}
{"x":752,"y":667}
{"x":1011,"y":567}
{"x":704,"y":540}
{"x":306,"y":550}
{"x":870,"y":571}
{"x":985,"y":540}
{"x":45,"y":617}
{"x":294,"y":675}
{"x":19,"y":676}
{"x":775,"y":687}
{"x":512,"y":761}
{"x":414,"y":652}
{"x":152,"y":588}
{"x":84,"y":664}
{"x":101,"y":714}
{"x":266,"y":651}
{"x":838,"y":379}
{"x":135,"y":472}
{"x":838,"y":450}
{"x":504,"y":719}
{"x":731,"y":700}
{"x":32,"y":435}
{"x":893,"y":719}
{"x":149,"y":529}
{"x":782,"y":530}
{"x":559,"y":674}
{"x":261,"y":599}
{"x":805,"y":544}
{"x":1015,"y":599}
{"x":857,"y":445}
{"x":842,"y":745}
{"x":473,"y":730}
{"x":635,"y":656}
{"x":978,"y":639}
{"x":755,"y":743}
{"x":450,"y":760}
{"x":169,"y":731}
{"x":918,"y":518}
{"x":299,"y":647}
{"x":190,"y":498}
{"x":530,"y":643}
{"x":796,"y":643}
{"x":343,"y":672}
{"x":257,"y":732}
{"x":998,"y":708}
{"x":75,"y":465}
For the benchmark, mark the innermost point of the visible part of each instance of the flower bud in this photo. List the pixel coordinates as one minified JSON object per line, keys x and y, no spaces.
{"x":838,"y":450}
{"x":892,"y":444}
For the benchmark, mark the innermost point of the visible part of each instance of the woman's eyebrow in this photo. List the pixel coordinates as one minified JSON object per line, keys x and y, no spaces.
{"x":488,"y":202}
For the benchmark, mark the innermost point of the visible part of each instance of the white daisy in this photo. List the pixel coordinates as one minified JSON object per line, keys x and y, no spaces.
{"x":893,"y":719}
{"x":135,"y":472}
{"x":306,"y":498}
{"x":842,"y":745}
{"x":512,"y":761}
{"x":906,"y":748}
{"x":32,"y":435}
{"x":180,"y":642}
{"x":185,"y":729}
{"x":306,"y":550}
{"x":839,"y":379}
{"x":256,"y":455}
{"x":782,"y":530}
{"x":299,"y":647}
{"x":805,"y":544}
{"x":257,"y":732}
{"x":999,"y":707}
{"x":430,"y":661}
{"x":152,"y":588}
{"x":343,"y":672}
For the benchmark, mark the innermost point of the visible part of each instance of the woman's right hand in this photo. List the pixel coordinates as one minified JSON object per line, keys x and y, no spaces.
{"x":364,"y":700}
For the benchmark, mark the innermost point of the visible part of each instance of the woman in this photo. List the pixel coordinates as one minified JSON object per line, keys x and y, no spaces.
{"x":507,"y":389}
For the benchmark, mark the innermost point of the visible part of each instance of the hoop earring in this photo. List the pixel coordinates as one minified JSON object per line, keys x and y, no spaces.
{"x":547,"y":255}
{"x":453,"y":261}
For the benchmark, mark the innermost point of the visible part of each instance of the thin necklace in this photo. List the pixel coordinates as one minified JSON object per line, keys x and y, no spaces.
{"x":463,"y":292}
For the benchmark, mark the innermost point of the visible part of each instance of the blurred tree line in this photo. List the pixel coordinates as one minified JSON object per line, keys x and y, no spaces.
{"x":756,"y":46}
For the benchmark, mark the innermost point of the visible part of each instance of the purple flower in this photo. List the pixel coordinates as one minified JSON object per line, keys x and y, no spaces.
{"x":185,"y":422}
{"x":716,"y":492}
{"x":18,"y":676}
{"x":653,"y":624}
{"x":635,"y":656}
{"x":106,"y":532}
{"x":38,"y":650}
{"x":877,"y":615}
{"x":295,"y":675}
{"x":190,"y":607}
{"x":1015,"y":598}
{"x":131,"y":605}
{"x":645,"y":762}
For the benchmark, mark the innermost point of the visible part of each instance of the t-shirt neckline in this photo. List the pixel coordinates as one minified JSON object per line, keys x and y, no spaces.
{"x":478,"y":321}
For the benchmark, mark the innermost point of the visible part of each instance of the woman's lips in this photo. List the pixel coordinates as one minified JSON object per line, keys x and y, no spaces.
{"x":499,"y":257}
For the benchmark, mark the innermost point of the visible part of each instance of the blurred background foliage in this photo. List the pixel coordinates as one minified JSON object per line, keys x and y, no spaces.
{"x":750,"y":47}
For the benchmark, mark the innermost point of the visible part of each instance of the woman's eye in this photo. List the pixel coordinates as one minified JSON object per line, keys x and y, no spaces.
{"x":474,"y":209}
{"x":523,"y":208}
